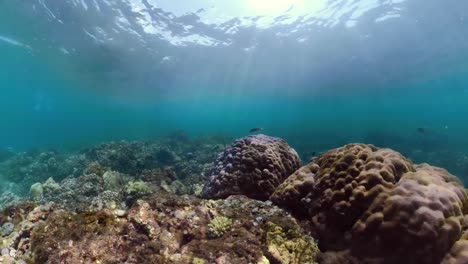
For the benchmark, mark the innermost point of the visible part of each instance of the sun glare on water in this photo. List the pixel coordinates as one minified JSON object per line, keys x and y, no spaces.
{"x":279,"y":7}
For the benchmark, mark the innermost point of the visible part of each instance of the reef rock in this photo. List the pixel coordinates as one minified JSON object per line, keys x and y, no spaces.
{"x":253,"y":166}
{"x":164,"y":229}
{"x":375,"y":204}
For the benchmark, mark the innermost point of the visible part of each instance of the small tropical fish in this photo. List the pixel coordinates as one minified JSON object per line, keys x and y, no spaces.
{"x":256,"y":129}
{"x":421,"y":130}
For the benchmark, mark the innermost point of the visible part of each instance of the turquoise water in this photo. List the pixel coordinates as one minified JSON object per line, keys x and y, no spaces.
{"x":99,"y":91}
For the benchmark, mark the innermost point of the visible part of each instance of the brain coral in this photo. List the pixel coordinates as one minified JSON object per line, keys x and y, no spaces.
{"x":253,"y":166}
{"x":378,"y":205}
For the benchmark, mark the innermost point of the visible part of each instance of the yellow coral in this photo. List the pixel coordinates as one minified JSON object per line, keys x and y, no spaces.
{"x":138,"y":188}
{"x":219,"y":226}
{"x":290,"y":247}
{"x":264,"y":260}
{"x":198,"y":261}
{"x":197,"y":189}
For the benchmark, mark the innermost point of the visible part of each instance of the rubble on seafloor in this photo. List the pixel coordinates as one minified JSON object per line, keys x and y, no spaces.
{"x":145,"y":202}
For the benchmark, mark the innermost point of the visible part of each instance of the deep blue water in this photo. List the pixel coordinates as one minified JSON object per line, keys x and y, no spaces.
{"x":375,"y":82}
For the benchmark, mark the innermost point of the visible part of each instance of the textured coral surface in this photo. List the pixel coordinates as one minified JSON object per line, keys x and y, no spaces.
{"x":292,"y":191}
{"x":377,"y":206}
{"x":418,"y":220}
{"x":347,"y":183}
{"x":459,"y":252}
{"x":253,"y":166}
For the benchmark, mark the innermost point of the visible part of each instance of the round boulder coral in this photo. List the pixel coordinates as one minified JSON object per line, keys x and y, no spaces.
{"x":417,"y":221}
{"x":347,"y":183}
{"x":253,"y":166}
{"x":376,"y":205}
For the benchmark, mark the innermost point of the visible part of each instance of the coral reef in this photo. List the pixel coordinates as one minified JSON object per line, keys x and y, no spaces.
{"x":164,"y":229}
{"x":376,"y":205}
{"x":139,"y":202}
{"x":97,"y":176}
{"x":253,"y":166}
{"x":165,"y":159}
{"x":8,"y":199}
{"x":26,"y":168}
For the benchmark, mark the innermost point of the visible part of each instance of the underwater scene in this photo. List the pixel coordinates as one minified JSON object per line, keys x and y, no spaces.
{"x":234,"y":131}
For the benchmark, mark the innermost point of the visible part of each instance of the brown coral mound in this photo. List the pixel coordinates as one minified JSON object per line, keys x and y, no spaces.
{"x":347,"y":183}
{"x":291,"y":192}
{"x":381,"y":208}
{"x":253,"y":166}
{"x":417,"y":221}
